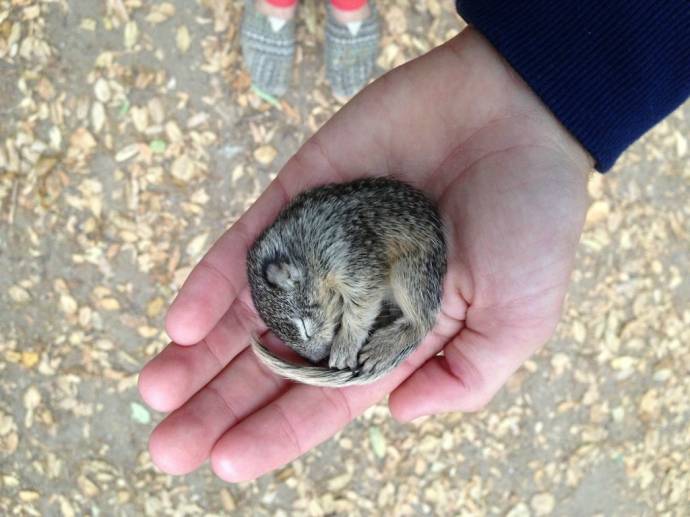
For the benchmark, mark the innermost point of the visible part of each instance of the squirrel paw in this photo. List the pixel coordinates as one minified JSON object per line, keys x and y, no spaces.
{"x":380,"y":353}
{"x":343,"y":355}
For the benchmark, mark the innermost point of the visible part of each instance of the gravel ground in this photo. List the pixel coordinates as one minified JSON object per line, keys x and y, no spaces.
{"x":130,"y":140}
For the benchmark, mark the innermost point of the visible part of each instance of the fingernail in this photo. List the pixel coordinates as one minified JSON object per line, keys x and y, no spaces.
{"x":223,"y":467}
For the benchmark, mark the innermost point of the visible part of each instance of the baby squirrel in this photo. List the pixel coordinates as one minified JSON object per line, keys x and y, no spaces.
{"x":336,"y":261}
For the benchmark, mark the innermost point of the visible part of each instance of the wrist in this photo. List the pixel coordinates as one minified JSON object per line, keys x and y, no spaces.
{"x":518,"y":102}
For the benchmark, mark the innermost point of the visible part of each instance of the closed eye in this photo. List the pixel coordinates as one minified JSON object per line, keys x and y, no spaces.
{"x":308,"y":327}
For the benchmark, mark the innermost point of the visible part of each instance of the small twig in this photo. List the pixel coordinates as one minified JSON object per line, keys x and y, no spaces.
{"x":273,"y":101}
{"x":13,"y":201}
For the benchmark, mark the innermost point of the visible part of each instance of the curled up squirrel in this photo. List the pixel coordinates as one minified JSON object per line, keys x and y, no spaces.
{"x":351,"y":273}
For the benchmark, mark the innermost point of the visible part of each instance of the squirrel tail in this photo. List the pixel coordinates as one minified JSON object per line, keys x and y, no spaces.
{"x":313,"y":375}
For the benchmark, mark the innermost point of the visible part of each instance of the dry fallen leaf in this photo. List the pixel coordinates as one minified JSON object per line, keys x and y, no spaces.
{"x":183,"y":38}
{"x":102,"y":90}
{"x":127,"y":152}
{"x":265,"y":154}
{"x":29,"y":359}
{"x":681,"y":144}
{"x":227,"y":500}
{"x":131,"y":34}
{"x":109,"y":304}
{"x":88,"y":24}
{"x":196,"y":245}
{"x":237,"y":172}
{"x":140,"y":117}
{"x":19,"y":294}
{"x":82,"y":140}
{"x":183,"y":168}
{"x":172,"y":130}
{"x":97,"y":116}
{"x":543,"y":504}
{"x":88,"y":487}
{"x":156,"y":110}
{"x":68,"y":304}
{"x":29,"y":496}
{"x":45,"y":89}
{"x":155,"y":307}
{"x":160,"y":12}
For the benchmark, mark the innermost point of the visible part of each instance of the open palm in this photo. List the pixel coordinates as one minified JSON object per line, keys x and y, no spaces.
{"x":510,"y":184}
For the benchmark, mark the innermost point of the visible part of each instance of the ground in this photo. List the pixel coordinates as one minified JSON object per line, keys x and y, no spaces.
{"x":130,"y":140}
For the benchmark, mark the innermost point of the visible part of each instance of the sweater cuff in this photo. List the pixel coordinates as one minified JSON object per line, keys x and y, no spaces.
{"x":609,"y":70}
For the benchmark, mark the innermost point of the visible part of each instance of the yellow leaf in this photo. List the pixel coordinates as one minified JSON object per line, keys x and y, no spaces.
{"x":109,"y":304}
{"x":97,"y":116}
{"x":183,"y":168}
{"x":29,"y":359}
{"x":140,"y":117}
{"x":196,"y":245}
{"x":19,"y":294}
{"x":183,"y":39}
{"x":155,"y":307}
{"x":127,"y":152}
{"x":265,"y":154}
{"x":102,"y":90}
{"x":68,"y":304}
{"x":131,"y":34}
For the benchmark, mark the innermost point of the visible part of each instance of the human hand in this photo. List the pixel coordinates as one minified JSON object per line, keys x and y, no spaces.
{"x":510,"y":184}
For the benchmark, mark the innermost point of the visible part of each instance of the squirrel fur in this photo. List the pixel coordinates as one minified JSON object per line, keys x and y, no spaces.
{"x":337,"y":259}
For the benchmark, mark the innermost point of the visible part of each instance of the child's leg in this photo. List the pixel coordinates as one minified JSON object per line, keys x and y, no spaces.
{"x":268,"y":43}
{"x":352,"y":40}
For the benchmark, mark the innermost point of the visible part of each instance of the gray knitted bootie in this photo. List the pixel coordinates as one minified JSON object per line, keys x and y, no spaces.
{"x":349,"y":57}
{"x":268,"y":52}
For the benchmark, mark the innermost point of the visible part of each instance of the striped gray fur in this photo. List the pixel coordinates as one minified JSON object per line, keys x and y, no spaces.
{"x":337,"y":258}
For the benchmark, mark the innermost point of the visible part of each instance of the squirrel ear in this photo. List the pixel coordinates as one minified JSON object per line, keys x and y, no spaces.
{"x":283,"y":275}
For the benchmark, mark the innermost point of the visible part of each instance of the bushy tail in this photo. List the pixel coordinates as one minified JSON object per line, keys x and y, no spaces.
{"x":314,"y":375}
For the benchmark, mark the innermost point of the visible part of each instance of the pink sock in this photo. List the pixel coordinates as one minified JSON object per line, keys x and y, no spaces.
{"x":348,"y":5}
{"x":281,"y":3}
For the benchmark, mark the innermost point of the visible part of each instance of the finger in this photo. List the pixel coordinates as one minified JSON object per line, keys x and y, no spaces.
{"x":216,"y":281}
{"x":288,"y":427}
{"x":300,"y":419}
{"x":472,"y":369}
{"x":178,"y":372}
{"x":183,"y":441}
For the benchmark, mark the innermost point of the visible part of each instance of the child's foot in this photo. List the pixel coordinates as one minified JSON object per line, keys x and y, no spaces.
{"x":352,"y":44}
{"x":268,"y":44}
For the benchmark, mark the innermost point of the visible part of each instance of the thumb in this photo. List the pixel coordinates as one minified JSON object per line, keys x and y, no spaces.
{"x":472,"y":369}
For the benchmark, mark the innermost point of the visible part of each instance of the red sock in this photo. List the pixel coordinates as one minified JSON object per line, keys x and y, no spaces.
{"x":281,"y":3}
{"x":348,"y":5}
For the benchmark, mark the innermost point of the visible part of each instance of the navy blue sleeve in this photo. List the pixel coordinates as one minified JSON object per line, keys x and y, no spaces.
{"x":608,"y":69}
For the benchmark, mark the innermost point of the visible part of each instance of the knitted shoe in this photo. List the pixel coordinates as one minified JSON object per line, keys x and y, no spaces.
{"x":349,"y":57}
{"x":268,"y":53}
